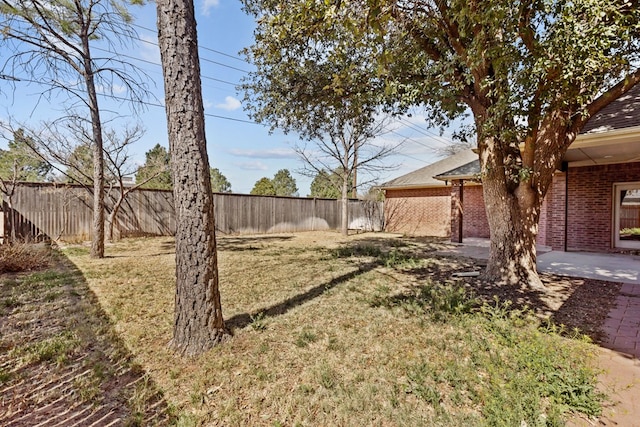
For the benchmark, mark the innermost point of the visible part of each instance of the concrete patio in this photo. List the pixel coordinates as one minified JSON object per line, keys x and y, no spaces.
{"x":610,"y":267}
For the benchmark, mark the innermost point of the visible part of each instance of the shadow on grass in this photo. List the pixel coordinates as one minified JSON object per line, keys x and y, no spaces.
{"x":240,"y":321}
{"x":62,"y":363}
{"x":247,"y":243}
{"x":368,"y":253}
{"x":576,"y":303}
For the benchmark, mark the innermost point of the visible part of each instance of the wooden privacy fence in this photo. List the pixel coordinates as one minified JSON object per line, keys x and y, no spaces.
{"x":629,"y":216}
{"x":64,"y":212}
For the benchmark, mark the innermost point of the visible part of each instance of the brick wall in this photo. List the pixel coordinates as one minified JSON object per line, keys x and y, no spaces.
{"x":475,"y":223}
{"x":419,"y":212}
{"x":428,"y":212}
{"x":541,"y":239}
{"x":552,"y":217}
{"x":590,"y":204}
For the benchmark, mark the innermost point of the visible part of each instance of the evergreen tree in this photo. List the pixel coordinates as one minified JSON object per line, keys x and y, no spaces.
{"x":219,"y":182}
{"x":157,"y":163}
{"x":263,"y":187}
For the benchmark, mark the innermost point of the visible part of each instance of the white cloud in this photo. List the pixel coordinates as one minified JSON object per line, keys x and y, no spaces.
{"x":252,"y":166}
{"x":207,"y":5}
{"x":230,"y":104}
{"x":149,"y":50}
{"x":276,"y":153}
{"x":119,"y":89}
{"x":207,"y":104}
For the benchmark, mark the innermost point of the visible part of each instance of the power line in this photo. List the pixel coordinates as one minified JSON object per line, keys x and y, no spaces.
{"x":425,"y":132}
{"x":224,"y":65}
{"x":146,"y":61}
{"x":120,"y":98}
{"x":412,"y":140}
{"x":414,"y":158}
{"x":199,"y":45}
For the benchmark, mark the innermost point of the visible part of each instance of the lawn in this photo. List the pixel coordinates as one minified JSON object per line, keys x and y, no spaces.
{"x":328,"y":331}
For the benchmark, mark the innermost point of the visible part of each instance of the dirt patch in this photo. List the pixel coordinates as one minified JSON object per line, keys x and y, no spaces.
{"x":61,"y":362}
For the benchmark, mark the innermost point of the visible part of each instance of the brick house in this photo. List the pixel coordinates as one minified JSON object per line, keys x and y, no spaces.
{"x":593,"y":203}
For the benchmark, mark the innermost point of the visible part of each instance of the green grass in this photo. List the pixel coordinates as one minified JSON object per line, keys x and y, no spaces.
{"x":379,"y":345}
{"x":57,"y":348}
{"x":632,"y":231}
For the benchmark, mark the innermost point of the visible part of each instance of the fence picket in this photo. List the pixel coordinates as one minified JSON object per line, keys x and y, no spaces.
{"x":52,"y":211}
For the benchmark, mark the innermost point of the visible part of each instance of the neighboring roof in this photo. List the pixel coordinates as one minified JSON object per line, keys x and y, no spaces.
{"x":469,"y":171}
{"x":622,"y":113}
{"x":424,"y":177}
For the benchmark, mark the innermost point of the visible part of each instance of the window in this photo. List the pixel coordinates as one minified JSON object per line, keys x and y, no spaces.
{"x":626,"y":215}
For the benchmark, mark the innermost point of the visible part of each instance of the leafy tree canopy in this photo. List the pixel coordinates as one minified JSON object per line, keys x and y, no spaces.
{"x":284,"y":184}
{"x":156,"y":163}
{"x":219,"y":182}
{"x":264,"y":187}
{"x":328,"y":184}
{"x":20,"y":163}
{"x":80,"y":165}
{"x":531,"y":73}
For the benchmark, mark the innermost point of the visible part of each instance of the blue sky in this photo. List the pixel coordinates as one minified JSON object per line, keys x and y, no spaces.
{"x":243,"y":151}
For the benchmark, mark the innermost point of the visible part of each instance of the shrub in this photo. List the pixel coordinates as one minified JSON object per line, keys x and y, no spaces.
{"x":23,"y":257}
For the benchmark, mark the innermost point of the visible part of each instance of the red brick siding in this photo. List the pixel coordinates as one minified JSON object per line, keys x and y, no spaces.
{"x":590,"y":204}
{"x":541,"y":238}
{"x":427,"y":212}
{"x":474,"y":222}
{"x":419,"y":212}
{"x":554,"y":221}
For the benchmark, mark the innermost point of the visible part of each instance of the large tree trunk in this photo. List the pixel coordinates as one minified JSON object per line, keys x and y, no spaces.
{"x":344,"y":201}
{"x":513,"y":211}
{"x":198,"y":322}
{"x":97,"y":242}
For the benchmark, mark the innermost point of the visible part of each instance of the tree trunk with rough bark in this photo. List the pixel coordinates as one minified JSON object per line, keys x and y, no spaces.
{"x":344,"y":201}
{"x":513,"y":196}
{"x":97,"y":241}
{"x":198,"y":322}
{"x":513,"y":223}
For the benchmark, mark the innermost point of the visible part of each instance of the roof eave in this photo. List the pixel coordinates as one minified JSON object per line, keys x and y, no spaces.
{"x":456,"y":177}
{"x":413,"y":187}
{"x":606,"y":137}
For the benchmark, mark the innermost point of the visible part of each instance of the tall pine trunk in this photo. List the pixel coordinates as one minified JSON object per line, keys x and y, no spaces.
{"x":97,"y":242}
{"x":198,"y":321}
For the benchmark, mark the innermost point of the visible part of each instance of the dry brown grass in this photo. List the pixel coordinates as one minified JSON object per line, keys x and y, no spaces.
{"x":313,"y":345}
{"x":20,"y":257}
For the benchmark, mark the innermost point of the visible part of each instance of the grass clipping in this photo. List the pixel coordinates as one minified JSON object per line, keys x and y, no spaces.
{"x":352,"y":332}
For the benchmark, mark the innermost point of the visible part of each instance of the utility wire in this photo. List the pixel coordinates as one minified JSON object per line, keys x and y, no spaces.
{"x":146,"y":61}
{"x":199,"y":45}
{"x":412,"y":140}
{"x":120,"y":98}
